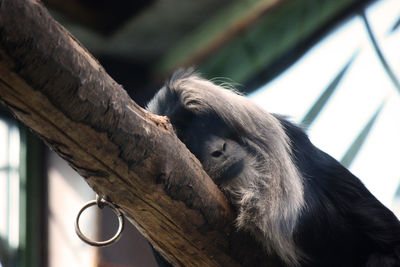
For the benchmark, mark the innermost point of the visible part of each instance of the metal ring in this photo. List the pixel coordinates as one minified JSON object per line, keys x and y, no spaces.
{"x":110,"y":241}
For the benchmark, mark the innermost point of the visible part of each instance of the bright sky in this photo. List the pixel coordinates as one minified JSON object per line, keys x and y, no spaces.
{"x":360,"y":93}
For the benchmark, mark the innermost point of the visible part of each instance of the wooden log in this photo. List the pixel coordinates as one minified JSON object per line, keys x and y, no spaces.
{"x":54,"y":86}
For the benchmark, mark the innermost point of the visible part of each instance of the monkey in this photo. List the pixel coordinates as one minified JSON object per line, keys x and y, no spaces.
{"x":298,"y":202}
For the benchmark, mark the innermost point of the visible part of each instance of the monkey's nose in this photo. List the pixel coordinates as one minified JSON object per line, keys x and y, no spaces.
{"x":216,"y":154}
{"x":219,"y":152}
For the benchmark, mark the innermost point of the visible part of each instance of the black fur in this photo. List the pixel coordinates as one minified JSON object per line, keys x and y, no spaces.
{"x":343,"y":223}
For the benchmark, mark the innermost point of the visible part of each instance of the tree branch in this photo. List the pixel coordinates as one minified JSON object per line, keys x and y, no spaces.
{"x":54,"y":86}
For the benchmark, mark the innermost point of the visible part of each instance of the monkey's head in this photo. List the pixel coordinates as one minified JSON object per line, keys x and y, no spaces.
{"x":190,"y":105}
{"x":230,"y":135}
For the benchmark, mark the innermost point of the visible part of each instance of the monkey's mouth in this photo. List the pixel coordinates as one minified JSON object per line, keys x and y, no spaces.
{"x":232,"y":171}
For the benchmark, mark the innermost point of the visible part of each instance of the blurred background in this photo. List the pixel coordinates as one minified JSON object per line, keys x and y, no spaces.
{"x":331,"y":66}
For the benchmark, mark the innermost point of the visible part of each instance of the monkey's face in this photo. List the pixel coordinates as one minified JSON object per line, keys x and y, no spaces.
{"x":222,"y":157}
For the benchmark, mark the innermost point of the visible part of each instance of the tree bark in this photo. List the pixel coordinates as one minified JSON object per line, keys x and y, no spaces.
{"x":54,"y":86}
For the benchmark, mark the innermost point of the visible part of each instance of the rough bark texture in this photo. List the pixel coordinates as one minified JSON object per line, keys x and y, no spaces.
{"x":54,"y":86}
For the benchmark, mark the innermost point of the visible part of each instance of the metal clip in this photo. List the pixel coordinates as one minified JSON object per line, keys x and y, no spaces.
{"x":101,"y":203}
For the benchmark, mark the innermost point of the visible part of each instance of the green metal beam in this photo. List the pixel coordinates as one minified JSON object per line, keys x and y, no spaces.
{"x":242,"y":39}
